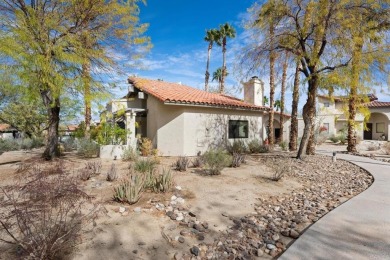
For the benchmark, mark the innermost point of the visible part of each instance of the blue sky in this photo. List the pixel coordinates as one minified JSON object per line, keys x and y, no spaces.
{"x":177,"y":29}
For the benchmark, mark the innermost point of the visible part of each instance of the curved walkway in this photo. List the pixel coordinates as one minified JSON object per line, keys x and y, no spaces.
{"x":358,"y":229}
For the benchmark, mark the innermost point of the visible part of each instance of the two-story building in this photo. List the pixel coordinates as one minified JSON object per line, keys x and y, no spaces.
{"x":332,"y":116}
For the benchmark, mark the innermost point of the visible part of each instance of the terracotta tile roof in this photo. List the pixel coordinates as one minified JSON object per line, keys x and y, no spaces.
{"x":371,"y":97}
{"x":378,"y":104}
{"x":6,"y":127}
{"x":177,"y":93}
{"x":72,"y":127}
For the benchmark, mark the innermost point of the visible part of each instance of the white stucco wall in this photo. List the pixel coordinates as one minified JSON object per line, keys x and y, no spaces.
{"x":184,"y":130}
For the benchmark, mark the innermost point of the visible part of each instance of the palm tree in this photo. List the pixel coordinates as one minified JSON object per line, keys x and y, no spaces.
{"x":282,"y":94}
{"x":294,"y":111}
{"x":217,"y":76}
{"x":211,"y":37}
{"x":277,"y":104}
{"x":265,"y":100}
{"x":224,"y":32}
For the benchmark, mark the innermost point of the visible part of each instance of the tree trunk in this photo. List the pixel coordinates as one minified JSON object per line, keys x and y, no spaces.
{"x":87,"y":98}
{"x":353,"y":93}
{"x":53,"y":112}
{"x":207,"y":75}
{"x":222,"y":89}
{"x":308,"y":114}
{"x":294,"y":112}
{"x":311,"y":144}
{"x":282,"y":94}
{"x":271,"y":135}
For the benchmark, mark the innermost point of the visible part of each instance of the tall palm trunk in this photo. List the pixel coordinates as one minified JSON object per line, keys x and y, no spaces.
{"x":353,"y":95}
{"x":207,"y":74}
{"x":53,"y":112}
{"x":222,"y":88}
{"x":282,"y":95}
{"x":271,"y":133}
{"x":308,"y":113}
{"x":87,"y":98}
{"x":294,"y":112}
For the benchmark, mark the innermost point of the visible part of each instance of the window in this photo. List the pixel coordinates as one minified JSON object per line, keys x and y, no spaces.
{"x":326,"y":104}
{"x":238,"y":129}
{"x":380,"y":127}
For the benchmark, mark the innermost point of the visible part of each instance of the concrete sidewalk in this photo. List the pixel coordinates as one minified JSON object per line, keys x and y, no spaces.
{"x":358,"y":229}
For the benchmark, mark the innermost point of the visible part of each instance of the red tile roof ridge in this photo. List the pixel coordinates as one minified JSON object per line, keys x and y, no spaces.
{"x":179,"y":93}
{"x":376,"y":103}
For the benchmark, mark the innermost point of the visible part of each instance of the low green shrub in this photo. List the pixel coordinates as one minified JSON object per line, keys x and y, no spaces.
{"x":87,"y":148}
{"x":129,"y":190}
{"x":163,"y":182}
{"x":144,"y":165}
{"x":129,"y":154}
{"x":7,"y":145}
{"x":283,"y":145}
{"x":216,"y":160}
{"x":265,"y":148}
{"x":254,"y":146}
{"x":69,"y":144}
{"x":238,"y":146}
{"x":334,"y":139}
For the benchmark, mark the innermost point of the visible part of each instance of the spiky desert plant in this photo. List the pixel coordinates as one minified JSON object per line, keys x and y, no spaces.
{"x":130,"y":190}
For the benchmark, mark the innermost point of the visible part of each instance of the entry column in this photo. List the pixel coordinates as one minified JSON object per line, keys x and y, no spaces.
{"x":131,"y":140}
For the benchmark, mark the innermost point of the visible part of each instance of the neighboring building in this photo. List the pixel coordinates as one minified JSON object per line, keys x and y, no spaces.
{"x":8,"y":132}
{"x":331,"y":115}
{"x":182,"y":120}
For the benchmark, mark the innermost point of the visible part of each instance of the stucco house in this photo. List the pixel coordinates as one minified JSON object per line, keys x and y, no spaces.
{"x":331,"y":115}
{"x":8,"y":132}
{"x":181,"y":120}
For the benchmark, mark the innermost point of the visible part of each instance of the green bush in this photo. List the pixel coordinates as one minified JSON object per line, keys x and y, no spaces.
{"x":254,"y":146}
{"x":265,"y":148}
{"x":238,"y":146}
{"x":334,"y":139}
{"x":144,"y":166}
{"x":129,"y":190}
{"x":69,"y":144}
{"x":7,"y":145}
{"x":129,"y":154}
{"x":283,"y":145}
{"x":163,"y":182}
{"x":87,"y":148}
{"x":216,"y":160}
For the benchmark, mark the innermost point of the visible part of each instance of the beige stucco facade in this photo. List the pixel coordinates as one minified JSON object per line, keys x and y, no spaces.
{"x":187,"y":130}
{"x":331,"y":113}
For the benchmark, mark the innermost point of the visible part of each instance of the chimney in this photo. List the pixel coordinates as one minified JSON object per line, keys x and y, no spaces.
{"x":254,"y":91}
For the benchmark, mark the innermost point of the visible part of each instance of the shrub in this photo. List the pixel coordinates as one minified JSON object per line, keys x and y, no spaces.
{"x":182,"y":163}
{"x":85,"y":174}
{"x":342,"y":138}
{"x":144,"y":166}
{"x":265,"y":148}
{"x":334,"y":139}
{"x":386,"y":148}
{"x":129,"y":190}
{"x":254,"y":146}
{"x":111,"y":174}
{"x":146,"y":147}
{"x":163,"y":181}
{"x":44,"y":216}
{"x":198,"y":162}
{"x":7,"y":145}
{"x":237,"y":160}
{"x":216,"y":160}
{"x":129,"y":154}
{"x":283,"y":145}
{"x":238,"y":146}
{"x":279,"y":170}
{"x":87,"y":148}
{"x":95,"y":167}
{"x":69,"y":144}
